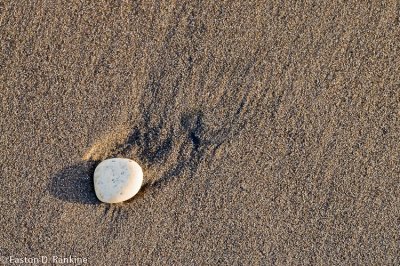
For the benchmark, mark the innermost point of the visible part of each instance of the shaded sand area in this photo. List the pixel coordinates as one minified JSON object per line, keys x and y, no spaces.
{"x":268,"y":132}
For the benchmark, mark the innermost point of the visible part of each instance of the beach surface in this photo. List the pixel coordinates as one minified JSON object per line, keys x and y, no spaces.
{"x":268,"y":133}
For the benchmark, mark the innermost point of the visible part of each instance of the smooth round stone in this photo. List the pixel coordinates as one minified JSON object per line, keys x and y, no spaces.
{"x":117,"y":180}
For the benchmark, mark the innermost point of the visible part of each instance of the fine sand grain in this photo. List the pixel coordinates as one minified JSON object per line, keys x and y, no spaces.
{"x":268,"y":132}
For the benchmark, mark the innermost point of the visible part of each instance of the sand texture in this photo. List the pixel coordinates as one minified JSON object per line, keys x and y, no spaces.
{"x":268,"y":132}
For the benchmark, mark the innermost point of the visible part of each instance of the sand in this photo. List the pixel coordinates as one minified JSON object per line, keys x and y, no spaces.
{"x":268,"y":132}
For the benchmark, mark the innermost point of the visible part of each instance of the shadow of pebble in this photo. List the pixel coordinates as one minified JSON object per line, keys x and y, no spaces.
{"x":75,"y":183}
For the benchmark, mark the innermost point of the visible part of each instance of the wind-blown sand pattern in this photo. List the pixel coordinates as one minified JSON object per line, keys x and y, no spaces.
{"x":268,"y":133}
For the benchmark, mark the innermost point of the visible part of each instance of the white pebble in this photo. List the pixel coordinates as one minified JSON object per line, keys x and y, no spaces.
{"x":117,"y":180}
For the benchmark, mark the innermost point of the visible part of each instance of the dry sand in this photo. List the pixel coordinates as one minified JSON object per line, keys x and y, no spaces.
{"x":268,"y":132}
